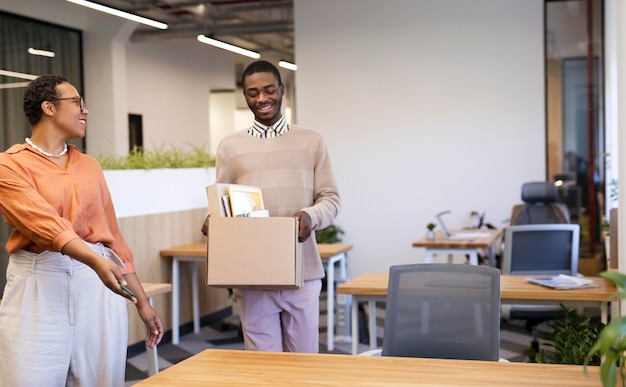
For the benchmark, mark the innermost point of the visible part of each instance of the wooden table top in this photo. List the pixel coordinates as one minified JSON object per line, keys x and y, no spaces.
{"x":188,"y":250}
{"x":512,"y":287}
{"x":221,"y":367}
{"x":440,"y":241}
{"x":155,"y":288}
{"x":327,"y":250}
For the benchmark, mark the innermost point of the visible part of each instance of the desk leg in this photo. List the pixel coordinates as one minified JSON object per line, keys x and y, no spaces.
{"x":491,"y":253}
{"x":175,"y":301}
{"x":473,"y":258}
{"x":355,"y":325}
{"x":428,"y":258}
{"x":153,"y":357}
{"x":373,"y":338}
{"x":330,"y":303}
{"x":195,"y":298}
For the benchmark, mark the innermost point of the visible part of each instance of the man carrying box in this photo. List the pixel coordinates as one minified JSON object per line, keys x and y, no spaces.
{"x":292,"y":167}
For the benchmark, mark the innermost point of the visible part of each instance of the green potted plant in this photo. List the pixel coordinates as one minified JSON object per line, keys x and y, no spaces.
{"x":430,"y":233}
{"x":571,"y":338}
{"x":611,"y":342}
{"x":330,"y":234}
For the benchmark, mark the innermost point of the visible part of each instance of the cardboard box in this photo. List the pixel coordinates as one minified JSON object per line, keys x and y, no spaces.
{"x":261,"y":253}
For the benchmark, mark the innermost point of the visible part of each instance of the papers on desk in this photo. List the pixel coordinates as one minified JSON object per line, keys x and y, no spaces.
{"x":563,"y":281}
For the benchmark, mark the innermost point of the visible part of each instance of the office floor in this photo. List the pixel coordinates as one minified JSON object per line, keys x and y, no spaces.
{"x":514,"y":340}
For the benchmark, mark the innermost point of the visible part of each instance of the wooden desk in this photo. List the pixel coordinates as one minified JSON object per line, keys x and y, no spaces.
{"x":221,"y":367}
{"x":441,"y":245}
{"x":331,"y":255}
{"x":513,"y":290}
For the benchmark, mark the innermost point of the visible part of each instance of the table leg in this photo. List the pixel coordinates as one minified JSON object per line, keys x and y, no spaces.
{"x":355,"y":325}
{"x":175,"y":301}
{"x":373,"y":338}
{"x":428,"y":258}
{"x":473,"y":258}
{"x":195,"y":298}
{"x":152,"y":354}
{"x":330,"y":303}
{"x":491,"y":254}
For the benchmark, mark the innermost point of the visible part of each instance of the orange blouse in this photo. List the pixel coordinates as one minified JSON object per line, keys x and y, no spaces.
{"x":48,"y":206}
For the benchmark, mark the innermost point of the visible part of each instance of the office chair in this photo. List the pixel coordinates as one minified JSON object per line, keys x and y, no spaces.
{"x":445,"y":311}
{"x":540,"y":205}
{"x":534,"y":250}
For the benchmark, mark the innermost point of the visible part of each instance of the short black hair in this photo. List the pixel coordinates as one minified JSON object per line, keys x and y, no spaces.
{"x":42,"y":88}
{"x":260,"y":66}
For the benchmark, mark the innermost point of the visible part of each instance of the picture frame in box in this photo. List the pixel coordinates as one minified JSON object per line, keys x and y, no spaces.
{"x":260,"y":253}
{"x":245,"y":199}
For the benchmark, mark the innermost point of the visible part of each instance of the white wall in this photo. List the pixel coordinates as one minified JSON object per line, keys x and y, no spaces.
{"x":170,"y":83}
{"x":426,"y":106}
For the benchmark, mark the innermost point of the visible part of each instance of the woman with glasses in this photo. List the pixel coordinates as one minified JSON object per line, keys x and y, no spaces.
{"x":63,"y":318}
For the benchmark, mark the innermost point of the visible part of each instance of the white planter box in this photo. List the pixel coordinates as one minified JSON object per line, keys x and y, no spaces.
{"x":137,"y":192}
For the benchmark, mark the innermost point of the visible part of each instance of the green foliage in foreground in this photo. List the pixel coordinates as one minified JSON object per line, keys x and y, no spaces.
{"x":140,"y":158}
{"x":611,"y":344}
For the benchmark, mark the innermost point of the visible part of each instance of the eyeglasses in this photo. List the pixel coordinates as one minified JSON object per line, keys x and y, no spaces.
{"x":77,"y":100}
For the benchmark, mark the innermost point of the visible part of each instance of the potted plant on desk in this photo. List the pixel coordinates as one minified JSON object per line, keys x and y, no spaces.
{"x":611,"y":342}
{"x":430,"y":233}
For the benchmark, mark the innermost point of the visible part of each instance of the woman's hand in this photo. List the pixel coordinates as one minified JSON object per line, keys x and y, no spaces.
{"x":154,"y":325}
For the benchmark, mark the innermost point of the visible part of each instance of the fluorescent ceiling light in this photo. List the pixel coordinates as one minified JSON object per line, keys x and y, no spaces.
{"x":287,"y":65}
{"x":13,"y":85}
{"x":229,"y":47}
{"x":8,"y":73}
{"x":116,"y":12}
{"x":34,"y":51}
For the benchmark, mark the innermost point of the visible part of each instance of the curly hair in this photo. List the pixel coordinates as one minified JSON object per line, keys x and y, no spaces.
{"x":42,"y":88}
{"x":260,"y":66}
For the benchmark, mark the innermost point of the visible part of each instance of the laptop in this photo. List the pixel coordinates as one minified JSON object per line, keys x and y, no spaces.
{"x":458,"y":236}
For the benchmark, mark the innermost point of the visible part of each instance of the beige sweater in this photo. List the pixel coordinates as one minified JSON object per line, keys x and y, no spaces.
{"x":294,"y":173}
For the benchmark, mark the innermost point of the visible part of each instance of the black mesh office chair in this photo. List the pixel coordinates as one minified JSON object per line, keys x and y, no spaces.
{"x":446,"y":311}
{"x":534,"y":250}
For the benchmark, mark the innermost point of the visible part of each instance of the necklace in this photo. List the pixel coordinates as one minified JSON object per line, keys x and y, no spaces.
{"x":43,"y":152}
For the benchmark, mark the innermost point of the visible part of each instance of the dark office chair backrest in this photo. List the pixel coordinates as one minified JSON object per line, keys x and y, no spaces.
{"x":541,"y":249}
{"x":448,"y":311}
{"x":540,"y":205}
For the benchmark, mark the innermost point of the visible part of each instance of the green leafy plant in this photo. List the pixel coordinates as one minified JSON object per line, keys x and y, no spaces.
{"x":140,"y":158}
{"x":571,"y":338}
{"x":330,"y":234}
{"x":431,"y":226}
{"x":611,"y":342}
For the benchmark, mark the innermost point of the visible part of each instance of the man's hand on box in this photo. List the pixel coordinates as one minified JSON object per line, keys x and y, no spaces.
{"x":304,"y":231}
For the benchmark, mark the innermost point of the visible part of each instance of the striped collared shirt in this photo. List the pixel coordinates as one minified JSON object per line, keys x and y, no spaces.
{"x":259,"y":130}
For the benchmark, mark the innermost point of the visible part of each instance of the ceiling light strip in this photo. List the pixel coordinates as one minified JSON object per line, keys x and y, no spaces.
{"x":8,"y":73}
{"x":13,"y":85}
{"x":229,"y":47}
{"x":34,"y":51}
{"x":287,"y":65}
{"x":118,"y":13}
